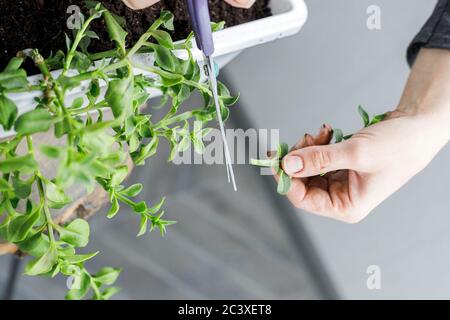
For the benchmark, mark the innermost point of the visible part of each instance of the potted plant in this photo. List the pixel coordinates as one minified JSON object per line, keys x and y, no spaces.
{"x":69,"y":100}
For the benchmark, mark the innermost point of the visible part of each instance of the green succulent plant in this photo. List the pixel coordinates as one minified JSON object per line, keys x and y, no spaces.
{"x":96,"y":149}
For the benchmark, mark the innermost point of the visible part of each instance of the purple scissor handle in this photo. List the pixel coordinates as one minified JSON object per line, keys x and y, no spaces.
{"x":201,"y":23}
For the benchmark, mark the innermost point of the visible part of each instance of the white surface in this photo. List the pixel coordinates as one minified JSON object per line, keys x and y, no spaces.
{"x":321,"y":75}
{"x":288,"y":18}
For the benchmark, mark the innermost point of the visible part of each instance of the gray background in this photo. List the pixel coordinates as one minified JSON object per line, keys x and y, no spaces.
{"x":321,"y":75}
{"x":229,"y":245}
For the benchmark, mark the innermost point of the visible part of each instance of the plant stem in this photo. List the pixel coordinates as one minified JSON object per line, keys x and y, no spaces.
{"x":143,"y":39}
{"x":76,"y":42}
{"x":178,"y":118}
{"x":203,"y":88}
{"x":43,"y":200}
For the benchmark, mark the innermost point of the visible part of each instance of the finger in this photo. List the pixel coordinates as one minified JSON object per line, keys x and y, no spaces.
{"x":139,"y":4}
{"x":241,"y":3}
{"x":316,"y":160}
{"x":324,"y":136}
{"x":341,"y":175}
{"x":311,"y":199}
{"x":335,"y":203}
{"x":318,"y":182}
{"x":300,"y":143}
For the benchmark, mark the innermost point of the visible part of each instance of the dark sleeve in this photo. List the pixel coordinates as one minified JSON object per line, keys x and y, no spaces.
{"x":434,"y":34}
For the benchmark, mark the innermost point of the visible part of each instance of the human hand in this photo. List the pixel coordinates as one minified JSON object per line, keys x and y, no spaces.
{"x":362,"y":171}
{"x":365,"y":170}
{"x":140,"y":4}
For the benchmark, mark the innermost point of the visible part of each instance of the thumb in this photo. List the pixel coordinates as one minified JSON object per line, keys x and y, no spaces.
{"x":316,"y":160}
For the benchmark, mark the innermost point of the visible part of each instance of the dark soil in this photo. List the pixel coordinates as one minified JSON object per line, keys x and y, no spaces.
{"x":41,"y":24}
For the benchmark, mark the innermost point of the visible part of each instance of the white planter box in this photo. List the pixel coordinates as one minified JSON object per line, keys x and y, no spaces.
{"x":288,"y":18}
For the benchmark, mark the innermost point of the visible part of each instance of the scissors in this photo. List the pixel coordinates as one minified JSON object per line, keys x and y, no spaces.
{"x":201,"y":24}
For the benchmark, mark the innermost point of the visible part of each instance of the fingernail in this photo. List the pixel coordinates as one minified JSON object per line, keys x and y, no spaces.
{"x":293,"y":164}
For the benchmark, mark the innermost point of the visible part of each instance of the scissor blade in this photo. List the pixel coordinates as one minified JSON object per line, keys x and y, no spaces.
{"x":213,"y":84}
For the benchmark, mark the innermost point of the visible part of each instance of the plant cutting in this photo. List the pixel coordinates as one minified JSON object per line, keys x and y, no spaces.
{"x":284,"y":182}
{"x":97,"y":147}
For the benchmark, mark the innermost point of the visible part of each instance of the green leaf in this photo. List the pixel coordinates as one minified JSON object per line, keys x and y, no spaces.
{"x":284,"y":182}
{"x":77,"y":103}
{"x":76,"y":233}
{"x":225,"y":113}
{"x":163,"y":38}
{"x":82,"y":287}
{"x":378,"y":118}
{"x":25,"y":164}
{"x":114,"y":208}
{"x":70,"y":269}
{"x":146,"y":152}
{"x":165,"y":59}
{"x":50,"y":151}
{"x":66,"y":251}
{"x":5,"y":186}
{"x":139,"y":207}
{"x":13,"y":64}
{"x":12,"y":80}
{"x":56,"y":61}
{"x":229,"y":101}
{"x":199,"y":146}
{"x":120,"y":96}
{"x":94,"y":90}
{"x":283,"y":149}
{"x":56,"y":197}
{"x":115,"y":31}
{"x":364,"y":115}
{"x":133,"y":143}
{"x":68,"y":42}
{"x":80,"y":62}
{"x":43,"y":264}
{"x":183,"y":94}
{"x":338,"y":135}
{"x":119,"y":175}
{"x":8,"y":112}
{"x":157,"y":207}
{"x":143,"y":225}
{"x":184,"y":144}
{"x":22,"y":189}
{"x":62,"y":127}
{"x":38,"y":120}
{"x":36,"y":245}
{"x":167,"y":18}
{"x":79,"y":258}
{"x":169,"y":79}
{"x":20,"y":227}
{"x":217,"y":26}
{"x":132,"y":191}
{"x":107,"y":276}
{"x":109,"y":292}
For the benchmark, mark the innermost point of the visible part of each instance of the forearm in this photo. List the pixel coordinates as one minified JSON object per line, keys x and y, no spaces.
{"x":427,"y":92}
